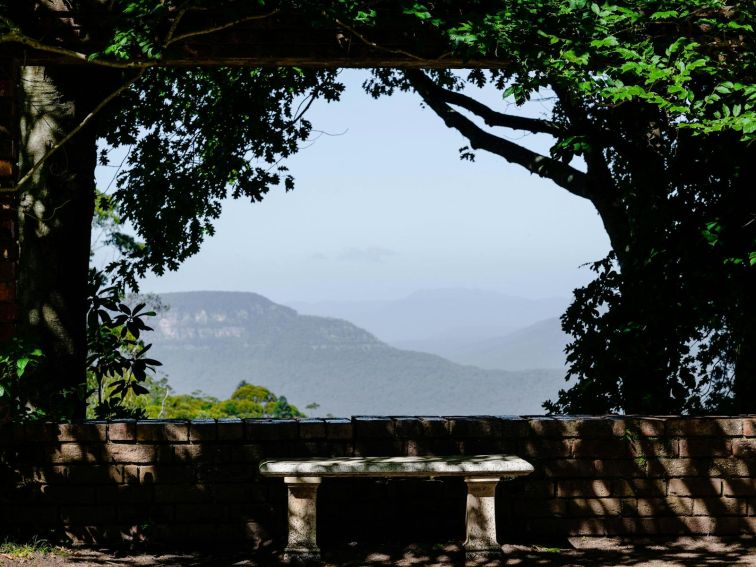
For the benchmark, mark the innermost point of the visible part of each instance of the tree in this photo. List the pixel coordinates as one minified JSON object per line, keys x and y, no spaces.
{"x":196,"y":136}
{"x":656,"y":97}
{"x":659,"y":101}
{"x":247,"y":401}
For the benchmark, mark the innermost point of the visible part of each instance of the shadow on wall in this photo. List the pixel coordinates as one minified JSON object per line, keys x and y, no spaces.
{"x":197,"y":483}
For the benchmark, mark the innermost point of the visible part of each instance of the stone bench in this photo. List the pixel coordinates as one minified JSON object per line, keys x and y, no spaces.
{"x":481,"y":473}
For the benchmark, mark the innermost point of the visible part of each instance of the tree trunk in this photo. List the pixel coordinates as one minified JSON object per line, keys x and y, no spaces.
{"x":744,"y":387}
{"x":55,"y":213}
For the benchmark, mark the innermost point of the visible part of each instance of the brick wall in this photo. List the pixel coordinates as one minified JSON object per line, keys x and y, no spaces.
{"x":198,"y":481}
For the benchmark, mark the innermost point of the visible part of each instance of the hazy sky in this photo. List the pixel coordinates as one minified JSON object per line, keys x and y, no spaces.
{"x":387,"y":208}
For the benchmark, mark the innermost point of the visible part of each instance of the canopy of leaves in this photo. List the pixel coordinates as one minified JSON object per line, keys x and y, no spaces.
{"x":195,"y":137}
{"x":247,"y":401}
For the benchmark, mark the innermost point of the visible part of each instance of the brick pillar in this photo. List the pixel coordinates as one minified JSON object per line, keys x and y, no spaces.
{"x":8,"y":197}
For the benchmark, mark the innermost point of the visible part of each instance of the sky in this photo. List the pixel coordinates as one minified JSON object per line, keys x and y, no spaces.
{"x":383,"y":207}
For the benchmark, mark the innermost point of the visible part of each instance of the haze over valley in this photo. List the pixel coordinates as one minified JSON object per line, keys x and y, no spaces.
{"x":210,"y":341}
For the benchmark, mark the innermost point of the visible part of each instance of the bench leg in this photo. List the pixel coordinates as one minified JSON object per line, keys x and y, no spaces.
{"x":480,"y":518}
{"x":303,"y":494}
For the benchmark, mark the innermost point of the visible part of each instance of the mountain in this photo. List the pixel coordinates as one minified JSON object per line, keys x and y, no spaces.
{"x":457,"y":314}
{"x":540,"y":345}
{"x":212,"y":340}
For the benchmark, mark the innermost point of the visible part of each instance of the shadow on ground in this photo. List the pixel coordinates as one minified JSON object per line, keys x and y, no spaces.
{"x":605,"y":552}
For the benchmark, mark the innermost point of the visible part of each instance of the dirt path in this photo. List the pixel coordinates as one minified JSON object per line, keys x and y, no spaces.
{"x":598,"y":552}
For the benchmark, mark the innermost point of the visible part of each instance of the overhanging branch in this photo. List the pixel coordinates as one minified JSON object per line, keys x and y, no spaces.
{"x":494,"y":118}
{"x":567,"y":177}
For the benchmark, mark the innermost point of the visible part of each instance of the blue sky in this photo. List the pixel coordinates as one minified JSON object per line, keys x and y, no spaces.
{"x":384,"y":207}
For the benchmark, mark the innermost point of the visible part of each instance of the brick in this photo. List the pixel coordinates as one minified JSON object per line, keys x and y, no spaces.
{"x":544,"y":448}
{"x":579,"y":507}
{"x":205,"y":430}
{"x":749,"y":426}
{"x":91,"y":432}
{"x":421,"y":427}
{"x":88,"y":474}
{"x":704,"y":427}
{"x":484,"y":446}
{"x":165,"y":474}
{"x":270,"y":430}
{"x":705,"y":447}
{"x":8,"y":312}
{"x":513,"y":427}
{"x":739,"y":487}
{"x":72,"y":453}
{"x":248,"y":453}
{"x":550,"y":427}
{"x":612,"y":448}
{"x":637,"y":427}
{"x":206,"y":452}
{"x":744,"y":447}
{"x":162,"y":431}
{"x":122,"y":431}
{"x":720,"y":507}
{"x":584,"y":488}
{"x":476,"y":426}
{"x":131,"y":453}
{"x":230,"y":430}
{"x":429,"y":447}
{"x":207,"y":473}
{"x":671,"y":506}
{"x":530,"y":488}
{"x":641,"y":487}
{"x":368,"y":427}
{"x":539,"y":507}
{"x":339,"y":428}
{"x":379,"y":447}
{"x":312,"y":428}
{"x":8,"y":248}
{"x":40,"y":433}
{"x":583,"y":427}
{"x":695,"y":487}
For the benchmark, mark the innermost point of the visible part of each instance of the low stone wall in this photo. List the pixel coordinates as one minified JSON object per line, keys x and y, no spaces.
{"x":196,"y":482}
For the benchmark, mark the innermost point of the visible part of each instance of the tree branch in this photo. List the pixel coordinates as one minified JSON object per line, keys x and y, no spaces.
{"x":221,"y":27}
{"x":17,"y":37}
{"x":565,"y":176}
{"x":494,"y":118}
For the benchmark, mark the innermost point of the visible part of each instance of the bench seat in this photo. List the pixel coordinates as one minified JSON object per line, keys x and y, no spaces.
{"x":497,"y":466}
{"x":481,"y":473}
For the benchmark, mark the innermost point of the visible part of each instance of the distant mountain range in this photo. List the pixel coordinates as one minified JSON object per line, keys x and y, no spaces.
{"x":451,"y":314}
{"x":540,"y":345}
{"x":211,"y":340}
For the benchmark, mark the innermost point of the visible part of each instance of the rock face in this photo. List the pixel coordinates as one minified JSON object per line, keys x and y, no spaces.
{"x":212,"y":340}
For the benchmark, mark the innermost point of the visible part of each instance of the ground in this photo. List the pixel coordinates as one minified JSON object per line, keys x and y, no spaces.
{"x":604,"y":552}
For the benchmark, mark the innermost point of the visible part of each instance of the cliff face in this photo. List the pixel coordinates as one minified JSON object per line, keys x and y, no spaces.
{"x":212,"y":340}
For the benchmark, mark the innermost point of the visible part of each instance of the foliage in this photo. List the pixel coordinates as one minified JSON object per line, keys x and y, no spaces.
{"x":29,"y":550}
{"x":117,"y":360}
{"x":196,"y":137}
{"x":657,"y":99}
{"x":16,"y":357}
{"x":247,"y":401}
